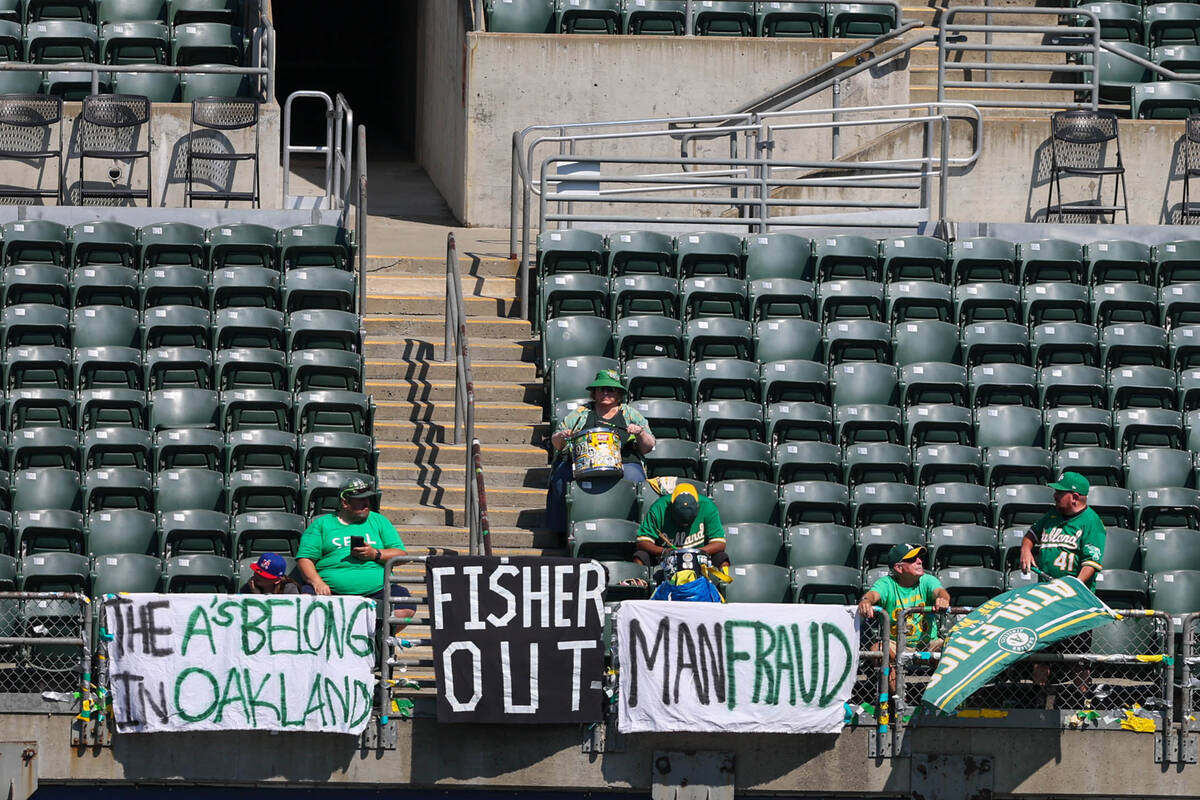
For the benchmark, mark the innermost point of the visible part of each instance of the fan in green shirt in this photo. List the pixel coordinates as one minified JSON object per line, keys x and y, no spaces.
{"x":326,"y":556}
{"x":1070,"y":537}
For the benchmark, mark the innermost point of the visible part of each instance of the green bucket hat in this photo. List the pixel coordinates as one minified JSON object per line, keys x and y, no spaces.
{"x":606,"y":378}
{"x":1072,"y":482}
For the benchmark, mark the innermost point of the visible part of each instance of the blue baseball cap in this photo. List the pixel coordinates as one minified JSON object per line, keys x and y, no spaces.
{"x":270,"y":566}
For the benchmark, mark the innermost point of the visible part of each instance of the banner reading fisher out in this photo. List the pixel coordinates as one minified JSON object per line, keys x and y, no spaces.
{"x":227,"y":662}
{"x":517,"y":639}
{"x":747,"y":668}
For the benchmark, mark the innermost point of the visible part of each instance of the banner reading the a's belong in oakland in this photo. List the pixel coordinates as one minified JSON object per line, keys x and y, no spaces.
{"x":201,"y":662}
{"x":746,"y":667}
{"x":1007,"y":628}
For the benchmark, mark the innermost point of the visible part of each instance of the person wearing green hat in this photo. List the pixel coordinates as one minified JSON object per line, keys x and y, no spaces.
{"x":607,"y":408}
{"x":1069,"y":540}
{"x":908,"y":585}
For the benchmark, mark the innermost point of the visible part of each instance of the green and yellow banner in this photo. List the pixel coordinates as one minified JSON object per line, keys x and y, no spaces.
{"x":1007,"y":628}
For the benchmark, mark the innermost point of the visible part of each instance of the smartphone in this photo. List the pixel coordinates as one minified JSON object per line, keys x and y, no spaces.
{"x":357,"y":541}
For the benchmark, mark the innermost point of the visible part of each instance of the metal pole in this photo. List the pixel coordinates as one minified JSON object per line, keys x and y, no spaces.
{"x":514,"y":199}
{"x":689,"y":29}
{"x":836,"y":132}
{"x":451,"y":257}
{"x":944,"y":178}
{"x":361,"y":222}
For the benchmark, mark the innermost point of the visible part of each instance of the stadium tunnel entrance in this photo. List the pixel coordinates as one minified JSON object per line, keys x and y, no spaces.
{"x":364,"y":49}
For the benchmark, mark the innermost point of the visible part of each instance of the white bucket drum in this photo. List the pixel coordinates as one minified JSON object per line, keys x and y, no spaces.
{"x":596,"y":453}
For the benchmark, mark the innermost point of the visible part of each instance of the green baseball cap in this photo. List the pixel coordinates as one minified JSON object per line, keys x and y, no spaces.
{"x":906,"y":552}
{"x":1072,"y":482}
{"x":606,"y":378}
{"x":356,"y":488}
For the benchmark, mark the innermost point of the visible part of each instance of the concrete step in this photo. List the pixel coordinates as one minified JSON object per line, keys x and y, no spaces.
{"x":485,"y":411}
{"x":440,"y":371}
{"x":448,"y":473}
{"x":443,"y":391}
{"x":926,"y":94}
{"x":509,"y":517}
{"x":426,"y":536}
{"x":440,"y":431}
{"x":927,"y":76}
{"x":407,"y":348}
{"x":431,"y":324}
{"x":467,"y":265}
{"x":407,"y":283}
{"x":927,"y":55}
{"x":930,"y":15}
{"x":424,"y":304}
{"x":408,"y":494}
{"x":451,"y":457}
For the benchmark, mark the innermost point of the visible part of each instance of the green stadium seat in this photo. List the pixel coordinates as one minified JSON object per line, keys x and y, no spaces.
{"x":1117,"y":261}
{"x":117,"y":487}
{"x":601,"y":498}
{"x":638,"y":336}
{"x":172,"y":243}
{"x":717,"y":337}
{"x":1008,"y":426}
{"x":860,"y":20}
{"x":1015,"y":579}
{"x":208,"y":43}
{"x":105,"y":325}
{"x":754,"y":543}
{"x":1166,"y":507}
{"x":645,"y":378}
{"x":1100,"y":465}
{"x":1183,"y":59}
{"x":807,"y":461}
{"x":1169,"y":549}
{"x":197,"y":448}
{"x":1176,"y":262}
{"x":1119,"y":22}
{"x":877,"y":462}
{"x":571,"y":293}
{"x":104,"y":284}
{"x":176,"y":326}
{"x":127,"y":572}
{"x":787,"y":339}
{"x":1122,"y":588}
{"x":713,"y":296}
{"x":183,"y":408}
{"x":116,"y":447}
{"x":794,"y":380}
{"x":578,"y":335}
{"x":673,"y":456}
{"x":1176,"y":592}
{"x":1122,"y":549}
{"x":58,"y":41}
{"x":1072,"y":385}
{"x":1016,"y":465}
{"x":774,"y":298}
{"x":932,"y":382}
{"x":742,"y":501}
{"x":963,"y":546}
{"x":570,"y":250}
{"x":267,"y":448}
{"x":867,"y":423}
{"x":261,"y":532}
{"x":190,"y":489}
{"x":99,"y":408}
{"x":46,"y":531}
{"x":37,"y":367}
{"x":857,"y":340}
{"x":1124,"y":303}
{"x":815,"y":545}
{"x":847,"y":256}
{"x":12,"y":82}
{"x":655,"y":17}
{"x":1077,"y":426}
{"x":858,"y":382}
{"x":645,"y":252}
{"x":203,"y":573}
{"x":107,"y":243}
{"x":268,"y":408}
{"x":520,"y":16}
{"x":1113,"y":504}
{"x":1141,"y":386}
{"x":1065,"y":343}
{"x":45,"y":489}
{"x":118,"y":531}
{"x":850,"y":299}
{"x":884,"y":503}
{"x":160,"y":87}
{"x":983,"y":259}
{"x":778,"y":255}
{"x":309,"y":287}
{"x":758,"y":583}
{"x":723,"y":18}
{"x":995,"y":342}
{"x":925,"y":341}
{"x":1057,"y":303}
{"x":986,"y":302}
{"x":339,"y":370}
{"x":827,"y":584}
{"x":1179,"y":305}
{"x":919,"y":258}
{"x":814,"y":501}
{"x":790,"y":19}
{"x":29,"y":408}
{"x":799,"y":421}
{"x":243,"y":244}
{"x":1147,"y":427}
{"x":603,"y":539}
{"x":644,"y":294}
{"x":729,"y":419}
{"x":259,"y":287}
{"x":1171,"y":24}
{"x":134,"y":42}
{"x":1118,"y":75}
{"x":32,"y":448}
{"x":321,"y":329}
{"x":971,"y":586}
{"x":1184,"y":347}
{"x":249,"y":368}
{"x":252,"y":327}
{"x":1002,"y":384}
{"x":11,"y":42}
{"x":947,"y":463}
{"x":107,"y":368}
{"x":323,"y":451}
{"x":589,"y":16}
{"x":954,"y":504}
{"x":712,"y":254}
{"x":725,"y":379}
{"x":34,"y":324}
{"x":315,"y":246}
{"x":1050,"y":260}
{"x":34,"y":283}
{"x":906,"y":301}
{"x":669,"y":419}
{"x":264,"y":490}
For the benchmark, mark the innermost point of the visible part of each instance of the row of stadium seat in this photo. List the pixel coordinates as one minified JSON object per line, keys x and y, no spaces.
{"x":787,"y":255}
{"x":163,"y":244}
{"x":115,"y":532}
{"x":73,"y":41}
{"x":931,"y":506}
{"x":171,"y":11}
{"x":128,"y":572}
{"x":709,"y":18}
{"x":182,"y":489}
{"x":159,"y":87}
{"x":898,"y":301}
{"x":1157,"y":24}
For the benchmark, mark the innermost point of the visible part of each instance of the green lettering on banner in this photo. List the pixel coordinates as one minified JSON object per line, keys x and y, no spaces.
{"x":808,"y":690}
{"x":785,"y":663}
{"x":359,"y":645}
{"x":363,"y":692}
{"x":325,"y":628}
{"x":315,"y":694}
{"x":828,"y":630}
{"x":764,"y":646}
{"x":276,"y":647}
{"x":194,"y":628}
{"x":232,"y":680}
{"x":224,"y":616}
{"x":215,"y":688}
{"x":252,"y":698}
{"x":334,"y":698}
{"x":732,"y":656}
{"x":254,"y":626}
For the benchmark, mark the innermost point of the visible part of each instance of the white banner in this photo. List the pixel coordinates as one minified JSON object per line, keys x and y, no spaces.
{"x":747,"y":667}
{"x":199,"y":662}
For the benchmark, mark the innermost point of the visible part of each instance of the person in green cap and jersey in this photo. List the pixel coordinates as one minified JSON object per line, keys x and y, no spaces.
{"x":606,"y":408}
{"x":1067,"y":540}
{"x":907,"y":586}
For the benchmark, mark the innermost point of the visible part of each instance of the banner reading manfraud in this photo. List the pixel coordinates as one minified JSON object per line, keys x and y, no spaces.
{"x":743,"y":667}
{"x":1007,"y":628}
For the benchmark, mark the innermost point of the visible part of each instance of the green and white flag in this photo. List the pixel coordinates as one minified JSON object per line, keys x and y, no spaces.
{"x":1007,"y":628}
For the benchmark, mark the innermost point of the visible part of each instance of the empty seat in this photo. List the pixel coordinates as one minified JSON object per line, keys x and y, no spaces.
{"x":807,"y":461}
{"x":758,"y":583}
{"x":860,"y":20}
{"x":971,"y":586}
{"x":717,"y":337}
{"x":603,"y":498}
{"x":826,"y":584}
{"x":1005,"y":465}
{"x":1002,"y":384}
{"x":34,"y":283}
{"x":882,"y":502}
{"x":105,"y":325}
{"x":190,"y":489}
{"x":104,"y":284}
{"x":992,"y":342}
{"x":269,"y":408}
{"x":736,"y":458}
{"x":778,"y":255}
{"x":857,"y":340}
{"x":799,"y":422}
{"x":677,"y":457}
{"x":925,"y":341}
{"x":854,"y":383}
{"x":876,"y":462}
{"x":201,"y":572}
{"x":1056,"y":303}
{"x":964,"y":546}
{"x":846,"y":256}
{"x":850,"y":299}
{"x":1169,"y":549}
{"x":708,"y":253}
{"x":47,"y":488}
{"x":754,"y":543}
{"x":1072,"y":385}
{"x":814,"y":501}
{"x":932,"y":382}
{"x":984,"y":302}
{"x":249,"y":368}
{"x":34,"y":324}
{"x":955,"y":504}
{"x":117,"y":487}
{"x":725,"y":379}
{"x":1147,"y":427}
{"x":37,"y":367}
{"x":192,"y":447}
{"x":787,"y":339}
{"x":644,"y":294}
{"x":794,"y":380}
{"x":108,"y":368}
{"x":1167,"y":507}
{"x":772,"y":298}
{"x":124,"y":530}
{"x":264,"y":490}
{"x":912,"y":300}
{"x":1141,"y":387}
{"x":745,"y":500}
{"x":645,"y":378}
{"x":603,"y":539}
{"x":183,"y":408}
{"x":259,"y":532}
{"x":729,"y":419}
{"x":916,"y":258}
{"x":1113,"y":504}
{"x":1076,"y":426}
{"x":822,"y":543}
{"x":867,"y":423}
{"x":983,"y":259}
{"x":947,"y":463}
{"x":31,"y":448}
{"x":1008,"y":426}
{"x":1100,"y":465}
{"x":1175,"y":262}
{"x":116,"y":447}
{"x":47,"y":530}
{"x":315,"y":246}
{"x":1124,"y":302}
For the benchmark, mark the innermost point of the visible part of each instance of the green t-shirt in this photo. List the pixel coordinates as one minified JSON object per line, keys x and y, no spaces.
{"x":1064,"y":546}
{"x":326,"y":541}
{"x":893,"y":598}
{"x":659,"y":525}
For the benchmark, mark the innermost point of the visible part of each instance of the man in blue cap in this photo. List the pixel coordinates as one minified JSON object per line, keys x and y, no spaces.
{"x":1069,"y":540}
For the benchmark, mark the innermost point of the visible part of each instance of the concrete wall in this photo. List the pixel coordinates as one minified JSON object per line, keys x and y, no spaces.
{"x":440,"y":136}
{"x":169,"y":142}
{"x":516,"y":80}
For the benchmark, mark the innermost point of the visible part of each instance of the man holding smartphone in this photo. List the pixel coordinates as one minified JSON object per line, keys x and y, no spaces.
{"x":344,"y":552}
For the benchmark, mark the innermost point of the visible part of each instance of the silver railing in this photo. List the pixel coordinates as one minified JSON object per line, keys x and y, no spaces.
{"x":360,"y":226}
{"x":474,"y":497}
{"x":46,"y":647}
{"x":1189,"y":672}
{"x":565,"y":166}
{"x":957,"y":39}
{"x":337,"y":150}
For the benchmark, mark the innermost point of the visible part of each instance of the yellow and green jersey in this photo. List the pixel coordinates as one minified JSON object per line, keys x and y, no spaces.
{"x":1067,"y":544}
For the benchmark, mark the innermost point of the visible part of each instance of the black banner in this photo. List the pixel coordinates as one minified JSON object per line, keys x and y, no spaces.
{"x":517,"y":639}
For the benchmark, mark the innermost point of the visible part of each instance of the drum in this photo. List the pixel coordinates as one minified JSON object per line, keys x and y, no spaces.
{"x":683,"y":560}
{"x":596,"y":453}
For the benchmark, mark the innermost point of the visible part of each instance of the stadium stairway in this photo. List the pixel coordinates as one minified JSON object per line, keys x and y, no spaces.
{"x":421,"y":471}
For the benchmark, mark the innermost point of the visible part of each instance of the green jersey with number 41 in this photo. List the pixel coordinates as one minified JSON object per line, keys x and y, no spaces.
{"x":1066,"y":545}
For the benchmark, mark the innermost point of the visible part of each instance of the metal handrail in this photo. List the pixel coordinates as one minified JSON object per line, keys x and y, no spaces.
{"x":1191,"y":660}
{"x":337,"y":149}
{"x":474,"y":498}
{"x":385,"y":621}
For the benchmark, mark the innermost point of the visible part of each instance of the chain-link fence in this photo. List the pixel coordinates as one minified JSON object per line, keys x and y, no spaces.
{"x":45,"y":643}
{"x":405,"y":648}
{"x":1189,"y":671}
{"x":1118,"y":666}
{"x":868,"y":698}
